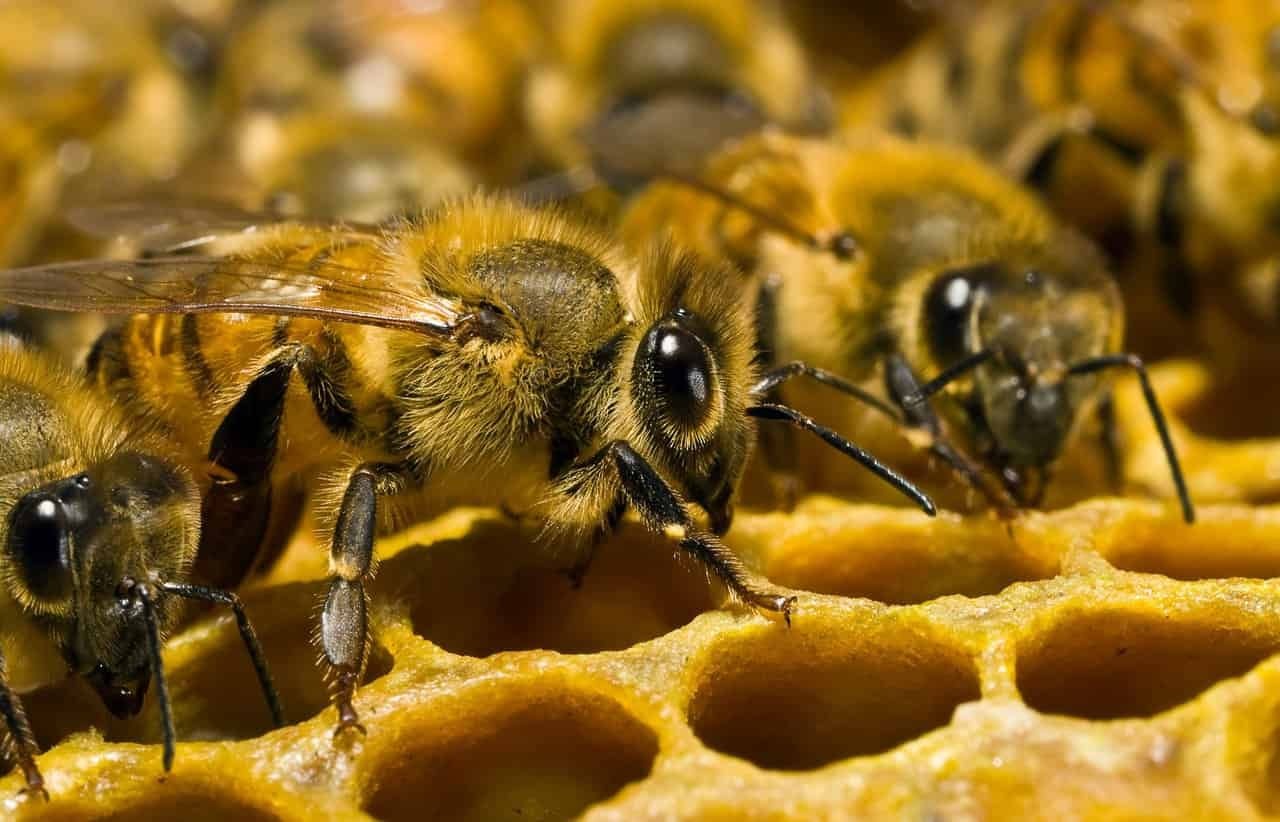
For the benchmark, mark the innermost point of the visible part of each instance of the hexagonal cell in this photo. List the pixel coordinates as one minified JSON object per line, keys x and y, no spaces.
{"x":893,"y":556}
{"x":531,"y":749}
{"x":635,"y":590}
{"x":1222,"y":544}
{"x":1113,"y":663}
{"x":819,"y":693}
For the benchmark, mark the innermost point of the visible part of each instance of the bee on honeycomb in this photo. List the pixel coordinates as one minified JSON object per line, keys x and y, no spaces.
{"x":1100,"y":659}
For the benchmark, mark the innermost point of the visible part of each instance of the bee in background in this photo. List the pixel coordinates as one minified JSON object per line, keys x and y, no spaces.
{"x":983,"y":317}
{"x":359,"y":169}
{"x":488,"y":354}
{"x":448,"y":72}
{"x":99,"y":523}
{"x":89,"y":103}
{"x":1153,"y":125}
{"x":634,"y":89}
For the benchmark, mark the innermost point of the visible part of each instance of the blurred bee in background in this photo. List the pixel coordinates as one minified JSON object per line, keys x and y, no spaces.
{"x":845,"y":41}
{"x":194,"y":34}
{"x":313,"y":166}
{"x":90,"y":104}
{"x":634,"y":89}
{"x":448,"y":72}
{"x":99,"y":525}
{"x":487,"y":354}
{"x":922,"y":266}
{"x":1153,"y":125}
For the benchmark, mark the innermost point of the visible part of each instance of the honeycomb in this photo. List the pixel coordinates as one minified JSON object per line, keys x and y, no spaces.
{"x":1101,"y":660}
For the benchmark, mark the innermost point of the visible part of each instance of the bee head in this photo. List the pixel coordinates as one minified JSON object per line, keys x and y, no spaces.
{"x":1035,"y":323}
{"x":688,"y":385}
{"x":369,"y":175}
{"x":657,"y":86}
{"x":79,"y":545}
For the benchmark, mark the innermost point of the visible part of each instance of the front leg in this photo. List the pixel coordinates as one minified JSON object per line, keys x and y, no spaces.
{"x":904,"y":388}
{"x":344,"y":622}
{"x":664,"y":513}
{"x":21,"y":739}
{"x":777,"y":443}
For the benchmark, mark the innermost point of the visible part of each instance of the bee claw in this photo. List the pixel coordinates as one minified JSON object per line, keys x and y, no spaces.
{"x":348,"y":719}
{"x":35,"y":791}
{"x":776,"y":604}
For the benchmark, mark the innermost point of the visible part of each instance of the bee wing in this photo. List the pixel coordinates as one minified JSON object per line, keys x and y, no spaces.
{"x":202,"y":285}
{"x":163,"y":227}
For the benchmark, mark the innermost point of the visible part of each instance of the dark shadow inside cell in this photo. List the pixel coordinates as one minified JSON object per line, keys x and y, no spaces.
{"x":532,"y":752}
{"x":1114,"y":664}
{"x":1242,"y":543}
{"x":174,"y":800}
{"x":802,"y":699}
{"x":1235,"y":409}
{"x":497,"y":590}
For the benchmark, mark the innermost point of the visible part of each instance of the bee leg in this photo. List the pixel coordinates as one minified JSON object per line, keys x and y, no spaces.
{"x":777,"y":443}
{"x":20,"y":735}
{"x":1109,"y":436}
{"x":663,"y":512}
{"x":1033,"y":155}
{"x":904,"y":387}
{"x":344,"y":623}
{"x":247,"y":635}
{"x":1177,"y":280}
{"x":236,"y":511}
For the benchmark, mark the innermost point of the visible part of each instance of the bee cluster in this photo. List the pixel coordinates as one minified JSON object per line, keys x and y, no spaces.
{"x":656,"y":409}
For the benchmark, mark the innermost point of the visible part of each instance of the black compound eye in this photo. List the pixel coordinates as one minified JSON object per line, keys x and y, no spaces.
{"x":678,"y":369}
{"x":39,"y":541}
{"x":947,"y":309}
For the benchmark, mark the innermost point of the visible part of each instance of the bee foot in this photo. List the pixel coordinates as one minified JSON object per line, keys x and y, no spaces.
{"x":348,"y":719}
{"x":775,"y":604}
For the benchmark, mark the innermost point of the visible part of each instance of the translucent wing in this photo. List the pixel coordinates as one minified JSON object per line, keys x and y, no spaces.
{"x":158,"y":226}
{"x":194,"y":285}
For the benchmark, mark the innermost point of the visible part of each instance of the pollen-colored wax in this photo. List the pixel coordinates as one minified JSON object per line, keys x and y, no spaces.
{"x":1103,"y":660}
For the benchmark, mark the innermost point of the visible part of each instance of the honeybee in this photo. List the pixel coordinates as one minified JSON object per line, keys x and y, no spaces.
{"x":634,"y":89}
{"x":922,"y":266}
{"x":489,"y":353}
{"x":99,"y":523}
{"x":1153,"y":125}
{"x":449,"y":70}
{"x":361,"y":169}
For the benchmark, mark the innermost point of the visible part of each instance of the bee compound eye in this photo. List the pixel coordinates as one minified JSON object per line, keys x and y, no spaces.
{"x":39,"y":541}
{"x":946,"y":315}
{"x":679,"y":367}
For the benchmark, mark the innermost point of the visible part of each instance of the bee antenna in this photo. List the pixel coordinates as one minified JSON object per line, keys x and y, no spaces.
{"x":1133,"y":361}
{"x":247,"y":635}
{"x":143,"y":593}
{"x":784,"y":413}
{"x":842,"y":244}
{"x":947,"y":376}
